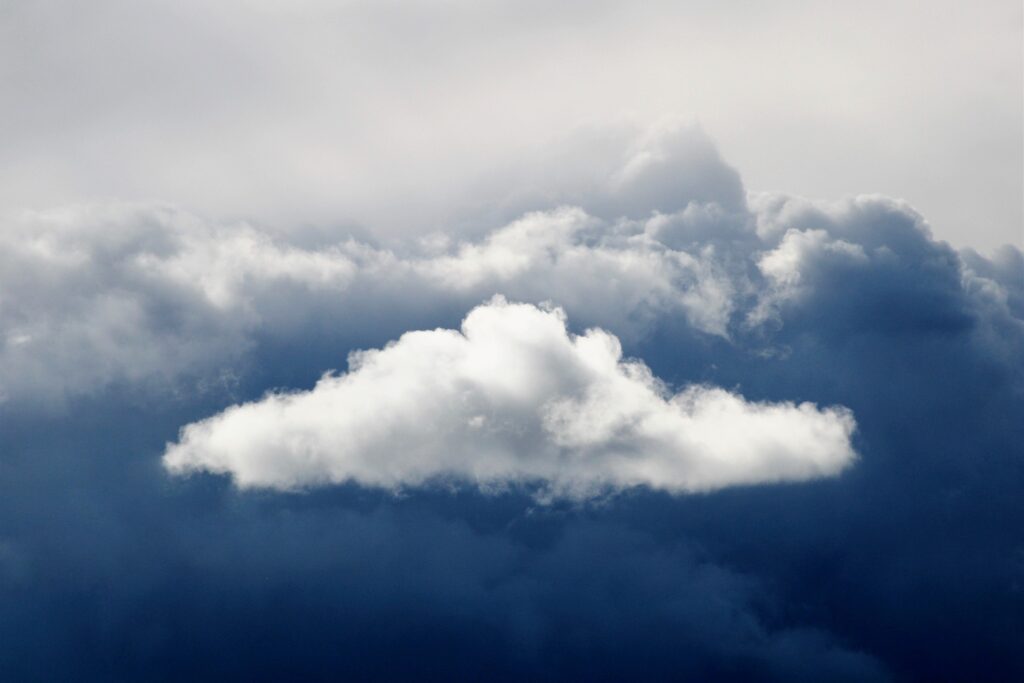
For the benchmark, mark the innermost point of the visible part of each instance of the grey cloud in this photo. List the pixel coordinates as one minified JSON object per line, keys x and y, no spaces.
{"x":847,"y":303}
{"x":156,"y":296}
{"x":153,"y":295}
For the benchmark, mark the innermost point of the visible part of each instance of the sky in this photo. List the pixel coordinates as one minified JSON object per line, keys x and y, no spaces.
{"x":322,"y":113}
{"x":444,"y":340}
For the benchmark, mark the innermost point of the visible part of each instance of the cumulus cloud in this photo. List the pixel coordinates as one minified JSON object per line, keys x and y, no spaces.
{"x":152,"y":295}
{"x":512,"y":398}
{"x":436,"y":188}
{"x":848,"y":302}
{"x":91,"y":296}
{"x":95,"y":295}
{"x":155,"y":296}
{"x":618,"y":274}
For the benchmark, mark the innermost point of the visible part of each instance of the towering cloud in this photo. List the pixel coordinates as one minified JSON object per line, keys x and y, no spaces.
{"x":709,"y":339}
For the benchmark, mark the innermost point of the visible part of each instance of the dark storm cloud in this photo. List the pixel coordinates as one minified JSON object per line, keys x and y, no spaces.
{"x":112,"y":572}
{"x":907,"y":566}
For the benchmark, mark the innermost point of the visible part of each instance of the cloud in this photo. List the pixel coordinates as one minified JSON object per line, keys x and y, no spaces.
{"x":152,"y":295}
{"x":614,"y":273}
{"x":336,"y":580}
{"x":156,"y":297}
{"x":92,"y":296}
{"x":132,"y":312}
{"x":512,"y":398}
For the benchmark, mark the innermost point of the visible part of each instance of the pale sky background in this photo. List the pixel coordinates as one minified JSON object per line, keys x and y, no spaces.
{"x":402,"y":117}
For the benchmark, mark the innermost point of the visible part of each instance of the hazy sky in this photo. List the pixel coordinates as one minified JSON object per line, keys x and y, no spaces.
{"x":405,"y":117}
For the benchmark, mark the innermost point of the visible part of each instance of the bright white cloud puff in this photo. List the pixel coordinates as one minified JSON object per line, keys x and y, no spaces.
{"x":512,"y":398}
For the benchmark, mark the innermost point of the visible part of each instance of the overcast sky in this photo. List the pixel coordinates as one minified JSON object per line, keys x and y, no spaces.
{"x":503,"y":341}
{"x":406,"y":117}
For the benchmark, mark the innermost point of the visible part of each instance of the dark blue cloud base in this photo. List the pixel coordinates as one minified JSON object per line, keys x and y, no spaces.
{"x":907,"y":566}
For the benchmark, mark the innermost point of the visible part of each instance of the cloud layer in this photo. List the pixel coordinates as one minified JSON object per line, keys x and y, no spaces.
{"x":512,"y":399}
{"x":148,"y":294}
{"x":155,"y":297}
{"x":121,"y":323}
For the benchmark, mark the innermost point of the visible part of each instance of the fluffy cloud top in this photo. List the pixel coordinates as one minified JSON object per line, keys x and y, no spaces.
{"x":95,"y":296}
{"x":91,"y":296}
{"x":512,"y":398}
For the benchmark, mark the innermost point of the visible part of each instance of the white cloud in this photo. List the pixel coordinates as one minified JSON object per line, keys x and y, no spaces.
{"x":95,"y":295}
{"x":784,"y":267}
{"x":98,"y":294}
{"x":151,"y":295}
{"x":606,"y":273}
{"x":512,"y":398}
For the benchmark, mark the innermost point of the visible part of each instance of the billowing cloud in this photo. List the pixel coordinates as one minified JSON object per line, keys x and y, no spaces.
{"x":837,"y":303}
{"x":91,"y":296}
{"x":512,"y":398}
{"x":148,"y":294}
{"x":158,"y":297}
{"x":205,"y":206}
